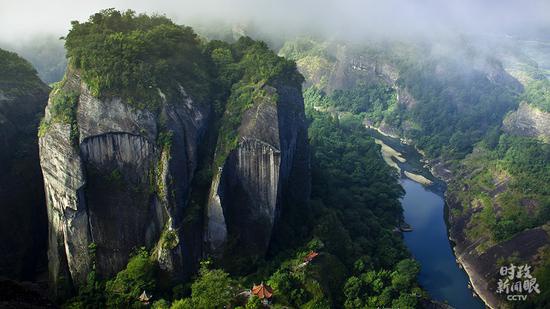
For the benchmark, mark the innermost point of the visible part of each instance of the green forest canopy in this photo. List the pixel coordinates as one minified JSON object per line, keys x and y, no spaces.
{"x":136,"y":56}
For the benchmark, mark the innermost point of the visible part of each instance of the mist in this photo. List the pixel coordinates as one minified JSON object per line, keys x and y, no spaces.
{"x":351,"y":19}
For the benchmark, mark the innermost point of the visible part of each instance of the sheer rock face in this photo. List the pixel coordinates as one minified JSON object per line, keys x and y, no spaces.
{"x":269,"y":167}
{"x":528,"y":121}
{"x":23,"y":220}
{"x":117,"y":185}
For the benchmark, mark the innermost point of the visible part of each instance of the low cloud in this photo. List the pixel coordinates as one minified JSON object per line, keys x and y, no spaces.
{"x":20,"y":20}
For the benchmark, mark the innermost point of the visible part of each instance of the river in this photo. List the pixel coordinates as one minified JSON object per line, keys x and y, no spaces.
{"x":424,"y":211}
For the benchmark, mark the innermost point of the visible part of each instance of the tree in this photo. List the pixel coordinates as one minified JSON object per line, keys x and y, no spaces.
{"x":138,"y":276}
{"x":212,"y":289}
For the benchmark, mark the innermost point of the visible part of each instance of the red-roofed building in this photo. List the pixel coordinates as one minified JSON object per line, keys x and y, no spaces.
{"x":310,"y":256}
{"x":262,"y":290}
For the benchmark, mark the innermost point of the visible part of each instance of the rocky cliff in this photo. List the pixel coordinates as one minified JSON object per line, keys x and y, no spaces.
{"x":23,"y":219}
{"x":268,"y":168}
{"x":483,"y":265}
{"x":528,"y":121}
{"x":116,"y":177}
{"x":430,"y":87}
{"x":120,"y":151}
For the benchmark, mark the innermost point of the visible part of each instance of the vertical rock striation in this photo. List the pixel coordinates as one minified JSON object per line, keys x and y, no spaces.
{"x":119,"y":150}
{"x":117,"y":177}
{"x":268,"y":168}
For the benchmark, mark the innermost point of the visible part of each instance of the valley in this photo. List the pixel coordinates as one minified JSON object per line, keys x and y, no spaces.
{"x":424,"y":210}
{"x":150,"y":164}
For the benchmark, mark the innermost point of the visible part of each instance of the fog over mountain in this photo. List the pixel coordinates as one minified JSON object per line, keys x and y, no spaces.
{"x":344,"y":18}
{"x":343,"y":153}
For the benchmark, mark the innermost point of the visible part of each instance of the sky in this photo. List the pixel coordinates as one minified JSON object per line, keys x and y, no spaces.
{"x":21,"y":19}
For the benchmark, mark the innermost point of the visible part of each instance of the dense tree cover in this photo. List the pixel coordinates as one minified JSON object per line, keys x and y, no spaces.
{"x":357,"y":192}
{"x":355,"y":205}
{"x":139,"y":276}
{"x":375,"y":100}
{"x":528,"y":160}
{"x":537,"y":93}
{"x":455,"y":106}
{"x":136,"y":57}
{"x":350,"y":222}
{"x":384,"y":289}
{"x":123,"y":290}
{"x":213,"y":288}
{"x":17,"y":76}
{"x":510,"y":180}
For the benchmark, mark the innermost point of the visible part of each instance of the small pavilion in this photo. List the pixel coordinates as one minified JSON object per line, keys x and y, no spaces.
{"x":144,"y":298}
{"x":263,"y":291}
{"x":310,"y":256}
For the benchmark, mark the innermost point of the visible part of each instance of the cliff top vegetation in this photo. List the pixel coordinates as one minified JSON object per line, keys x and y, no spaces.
{"x":136,"y":56}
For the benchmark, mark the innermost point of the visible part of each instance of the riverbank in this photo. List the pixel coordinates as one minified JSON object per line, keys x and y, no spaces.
{"x":442,"y":171}
{"x":464,"y":252}
{"x":418,"y":178}
{"x":440,"y":276}
{"x":388,"y":154}
{"x":477,"y":281}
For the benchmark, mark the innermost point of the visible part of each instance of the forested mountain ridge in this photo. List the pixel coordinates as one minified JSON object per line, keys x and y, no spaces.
{"x":128,"y":186}
{"x":45,"y":52}
{"x":452,"y":107}
{"x":124,"y":126}
{"x":160,"y":149}
{"x":182,"y":171}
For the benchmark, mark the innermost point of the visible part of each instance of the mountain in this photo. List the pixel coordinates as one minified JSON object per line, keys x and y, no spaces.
{"x":182,"y":167}
{"x":461,"y":108}
{"x":133,"y":137}
{"x":46,"y":54}
{"x":23,"y":222}
{"x":183,"y":171}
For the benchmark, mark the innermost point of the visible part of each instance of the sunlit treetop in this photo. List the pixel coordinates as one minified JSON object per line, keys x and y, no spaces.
{"x":134,"y":56}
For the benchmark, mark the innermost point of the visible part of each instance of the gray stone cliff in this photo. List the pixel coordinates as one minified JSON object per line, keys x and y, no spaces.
{"x":269,"y":168}
{"x":529,"y":121}
{"x":116,"y":184}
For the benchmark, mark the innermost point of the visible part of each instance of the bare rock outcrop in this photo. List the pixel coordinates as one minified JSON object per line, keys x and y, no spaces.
{"x":529,"y":121}
{"x":269,"y":167}
{"x":118,"y":177}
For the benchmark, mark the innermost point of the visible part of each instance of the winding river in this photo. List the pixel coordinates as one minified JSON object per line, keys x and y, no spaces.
{"x":424,"y":211}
